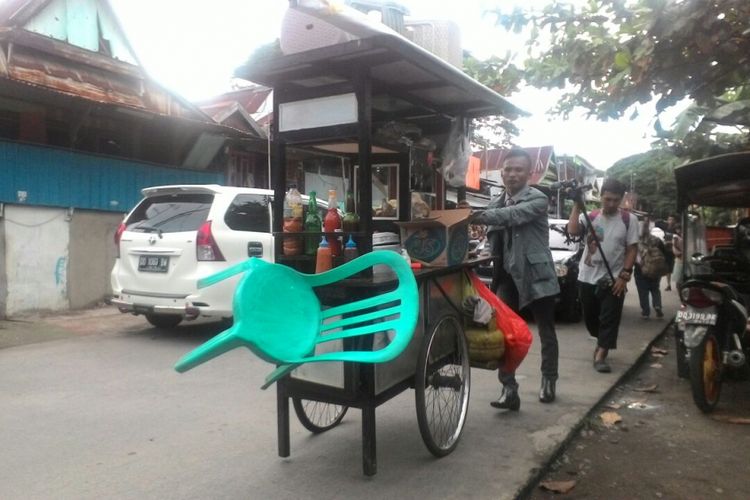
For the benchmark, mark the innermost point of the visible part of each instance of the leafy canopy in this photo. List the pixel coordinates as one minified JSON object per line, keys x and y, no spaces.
{"x":610,"y":55}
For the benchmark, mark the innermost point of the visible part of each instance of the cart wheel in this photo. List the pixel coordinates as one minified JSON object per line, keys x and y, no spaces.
{"x":316,"y":416}
{"x":442,"y":386}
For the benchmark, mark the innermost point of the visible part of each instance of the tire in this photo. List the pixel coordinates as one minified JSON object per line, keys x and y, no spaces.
{"x":165,"y":321}
{"x":442,"y":386}
{"x":705,"y":372}
{"x":316,"y":416}
{"x":683,"y":366}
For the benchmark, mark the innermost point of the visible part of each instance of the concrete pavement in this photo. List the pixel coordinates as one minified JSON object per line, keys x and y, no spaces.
{"x":99,"y":412}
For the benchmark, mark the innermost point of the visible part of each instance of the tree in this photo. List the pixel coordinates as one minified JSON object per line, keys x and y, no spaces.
{"x":651,"y":176}
{"x":503,"y":77}
{"x":610,"y":55}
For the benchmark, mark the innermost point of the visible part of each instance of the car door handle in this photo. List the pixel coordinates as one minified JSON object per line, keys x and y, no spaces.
{"x":255,"y":249}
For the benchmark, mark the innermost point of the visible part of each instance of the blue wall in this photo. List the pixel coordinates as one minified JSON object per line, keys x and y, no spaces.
{"x":62,"y":178}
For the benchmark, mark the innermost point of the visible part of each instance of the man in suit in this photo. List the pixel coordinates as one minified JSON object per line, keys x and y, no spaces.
{"x":519,"y":234}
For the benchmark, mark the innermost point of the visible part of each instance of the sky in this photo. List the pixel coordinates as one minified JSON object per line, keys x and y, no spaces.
{"x":193,"y":46}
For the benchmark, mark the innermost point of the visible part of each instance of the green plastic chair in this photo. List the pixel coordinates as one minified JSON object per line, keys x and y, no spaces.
{"x":278,"y":316}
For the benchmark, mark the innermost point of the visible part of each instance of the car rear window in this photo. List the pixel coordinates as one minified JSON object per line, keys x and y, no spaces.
{"x":249,"y":212}
{"x":171,"y":213}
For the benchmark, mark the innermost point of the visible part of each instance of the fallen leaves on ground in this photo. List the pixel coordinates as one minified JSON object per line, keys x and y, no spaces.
{"x":610,"y":418}
{"x":558,"y":486}
{"x":655,"y":365}
{"x":658,"y":352}
{"x":647,"y":388}
{"x":613,"y":406}
{"x":731,"y":419}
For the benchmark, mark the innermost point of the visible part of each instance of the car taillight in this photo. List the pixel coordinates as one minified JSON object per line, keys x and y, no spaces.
{"x":700,"y":297}
{"x":206,"y":247}
{"x":118,"y":235}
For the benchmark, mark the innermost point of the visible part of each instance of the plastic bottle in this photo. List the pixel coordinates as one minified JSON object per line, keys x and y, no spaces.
{"x":313,"y":224}
{"x":350,"y":250}
{"x":332,"y":223}
{"x":323,"y":260}
{"x":293,"y":222}
{"x":405,"y":255}
{"x":350,"y":222}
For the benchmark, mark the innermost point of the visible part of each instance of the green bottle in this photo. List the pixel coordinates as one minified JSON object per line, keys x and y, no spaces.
{"x":350,"y":222}
{"x":313,"y":224}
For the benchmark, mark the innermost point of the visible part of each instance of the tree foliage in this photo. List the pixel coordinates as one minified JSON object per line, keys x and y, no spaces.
{"x":610,"y":55}
{"x":503,"y":77}
{"x":651,"y":175}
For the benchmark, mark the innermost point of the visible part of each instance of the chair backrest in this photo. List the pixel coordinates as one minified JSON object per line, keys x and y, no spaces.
{"x":278,"y":316}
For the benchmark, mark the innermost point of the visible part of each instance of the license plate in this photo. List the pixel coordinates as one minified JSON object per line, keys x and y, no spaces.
{"x":697,"y":318}
{"x":153,"y":264}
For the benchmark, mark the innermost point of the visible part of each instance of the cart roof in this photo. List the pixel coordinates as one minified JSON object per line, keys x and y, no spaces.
{"x":719,"y":181}
{"x":407,"y":80}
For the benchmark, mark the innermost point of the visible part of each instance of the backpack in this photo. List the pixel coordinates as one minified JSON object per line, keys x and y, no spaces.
{"x":653,"y":260}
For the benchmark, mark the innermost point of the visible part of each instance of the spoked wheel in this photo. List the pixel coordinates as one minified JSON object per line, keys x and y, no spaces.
{"x":442,"y":386}
{"x":316,"y":416}
{"x":705,"y":372}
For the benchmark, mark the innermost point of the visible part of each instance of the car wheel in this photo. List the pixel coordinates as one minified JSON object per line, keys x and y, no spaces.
{"x":164,"y":320}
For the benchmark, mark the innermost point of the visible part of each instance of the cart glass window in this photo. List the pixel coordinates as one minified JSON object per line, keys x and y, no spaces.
{"x":384,"y":191}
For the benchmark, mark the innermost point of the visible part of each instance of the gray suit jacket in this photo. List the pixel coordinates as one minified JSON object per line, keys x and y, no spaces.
{"x":527,"y":259}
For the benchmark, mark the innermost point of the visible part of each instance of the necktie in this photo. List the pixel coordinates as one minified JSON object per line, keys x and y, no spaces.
{"x":509,"y":202}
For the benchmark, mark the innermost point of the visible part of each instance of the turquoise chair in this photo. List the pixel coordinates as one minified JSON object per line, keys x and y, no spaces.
{"x":278,"y":316}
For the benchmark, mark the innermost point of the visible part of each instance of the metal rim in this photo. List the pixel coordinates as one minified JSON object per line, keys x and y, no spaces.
{"x":317,"y":416}
{"x":443,"y":382}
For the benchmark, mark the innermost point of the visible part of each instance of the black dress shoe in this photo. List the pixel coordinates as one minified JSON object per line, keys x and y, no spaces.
{"x":508,"y":400}
{"x":547,"y":391}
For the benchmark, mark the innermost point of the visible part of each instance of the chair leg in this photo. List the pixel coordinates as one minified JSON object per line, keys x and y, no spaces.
{"x":282,"y":415}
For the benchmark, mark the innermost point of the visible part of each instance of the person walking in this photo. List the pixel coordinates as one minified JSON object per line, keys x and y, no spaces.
{"x":650,"y":266}
{"x":669,"y":231}
{"x":518,"y":234}
{"x":677,"y":250}
{"x":603,"y":294}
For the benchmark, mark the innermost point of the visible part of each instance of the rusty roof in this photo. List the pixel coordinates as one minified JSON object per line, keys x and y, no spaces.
{"x":46,"y":63}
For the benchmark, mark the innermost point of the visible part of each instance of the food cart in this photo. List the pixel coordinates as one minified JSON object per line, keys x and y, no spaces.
{"x":343,"y":99}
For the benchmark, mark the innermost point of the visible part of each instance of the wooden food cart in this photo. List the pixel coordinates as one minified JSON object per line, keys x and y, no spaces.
{"x":338,"y":100}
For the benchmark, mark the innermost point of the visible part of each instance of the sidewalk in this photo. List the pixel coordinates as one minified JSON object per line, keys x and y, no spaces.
{"x":110,"y":408}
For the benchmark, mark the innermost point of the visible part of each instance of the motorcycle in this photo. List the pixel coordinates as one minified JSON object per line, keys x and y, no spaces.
{"x":713,"y":337}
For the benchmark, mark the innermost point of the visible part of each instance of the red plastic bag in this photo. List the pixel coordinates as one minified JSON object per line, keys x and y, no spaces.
{"x":517,"y":334}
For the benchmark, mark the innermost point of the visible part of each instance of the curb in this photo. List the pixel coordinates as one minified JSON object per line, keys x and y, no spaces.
{"x":534,"y":479}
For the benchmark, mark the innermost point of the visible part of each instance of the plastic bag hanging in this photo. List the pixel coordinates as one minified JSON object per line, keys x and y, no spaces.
{"x":456,"y":153}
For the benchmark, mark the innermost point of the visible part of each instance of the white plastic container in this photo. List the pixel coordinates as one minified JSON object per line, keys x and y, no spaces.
{"x":384,"y":241}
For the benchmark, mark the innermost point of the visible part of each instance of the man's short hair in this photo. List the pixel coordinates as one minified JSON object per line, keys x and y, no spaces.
{"x":613,"y":186}
{"x":519,"y":153}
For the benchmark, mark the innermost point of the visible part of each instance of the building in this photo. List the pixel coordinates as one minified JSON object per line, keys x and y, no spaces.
{"x":82,"y":129}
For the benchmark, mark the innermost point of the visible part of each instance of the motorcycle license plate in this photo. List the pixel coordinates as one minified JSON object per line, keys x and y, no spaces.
{"x":697,"y":318}
{"x":153,"y":264}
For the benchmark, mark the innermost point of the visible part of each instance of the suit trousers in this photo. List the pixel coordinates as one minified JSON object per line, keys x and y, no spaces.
{"x":543,"y":310}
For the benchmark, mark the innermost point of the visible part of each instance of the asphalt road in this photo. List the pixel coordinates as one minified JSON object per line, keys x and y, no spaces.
{"x":100,"y":413}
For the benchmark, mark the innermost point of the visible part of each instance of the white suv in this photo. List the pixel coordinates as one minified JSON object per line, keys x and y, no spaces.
{"x":179,"y":234}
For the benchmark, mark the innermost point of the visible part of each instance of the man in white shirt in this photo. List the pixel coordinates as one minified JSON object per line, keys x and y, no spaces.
{"x":603,"y":290}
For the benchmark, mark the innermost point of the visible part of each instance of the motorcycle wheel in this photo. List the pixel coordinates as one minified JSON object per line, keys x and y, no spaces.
{"x":705,"y":373}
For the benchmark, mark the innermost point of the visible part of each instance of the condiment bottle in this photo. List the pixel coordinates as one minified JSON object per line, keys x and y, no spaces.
{"x":313,"y":224}
{"x":332,"y":223}
{"x":350,"y":250}
{"x":293,"y":222}
{"x":350,"y":222}
{"x":323,"y":260}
